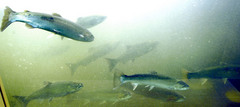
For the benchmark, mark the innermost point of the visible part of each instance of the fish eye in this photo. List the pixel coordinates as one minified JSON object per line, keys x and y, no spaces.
{"x":80,"y":35}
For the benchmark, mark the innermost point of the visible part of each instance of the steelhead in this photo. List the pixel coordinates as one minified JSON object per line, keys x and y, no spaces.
{"x":163,"y":95}
{"x":132,"y":53}
{"x":215,"y":72}
{"x":97,"y":53}
{"x":53,"y":23}
{"x":51,"y":90}
{"x":149,"y":80}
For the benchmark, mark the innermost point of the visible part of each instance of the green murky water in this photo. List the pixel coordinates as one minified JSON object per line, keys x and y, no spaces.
{"x":192,"y":34}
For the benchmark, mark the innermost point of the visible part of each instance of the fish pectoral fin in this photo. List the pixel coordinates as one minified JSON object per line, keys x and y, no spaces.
{"x":47,"y":83}
{"x":224,"y":80}
{"x":62,"y":37}
{"x":134,"y":85}
{"x":29,"y":26}
{"x":50,"y":99}
{"x":55,"y":14}
{"x":204,"y":81}
{"x":151,"y":87}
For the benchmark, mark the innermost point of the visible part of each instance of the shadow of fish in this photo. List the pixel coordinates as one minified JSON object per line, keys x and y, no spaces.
{"x":53,"y":23}
{"x":156,"y":93}
{"x":216,"y":72}
{"x":90,"y":21}
{"x":132,"y":52}
{"x":51,"y":90}
{"x":149,"y":80}
{"x":108,"y":96}
{"x":96,"y":53}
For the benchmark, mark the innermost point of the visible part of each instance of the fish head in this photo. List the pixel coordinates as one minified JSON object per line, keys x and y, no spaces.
{"x":181,"y":86}
{"x":73,"y":87}
{"x":181,"y":99}
{"x":85,"y":36}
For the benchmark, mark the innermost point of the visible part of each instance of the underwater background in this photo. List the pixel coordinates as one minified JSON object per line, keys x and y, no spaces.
{"x":191,"y":34}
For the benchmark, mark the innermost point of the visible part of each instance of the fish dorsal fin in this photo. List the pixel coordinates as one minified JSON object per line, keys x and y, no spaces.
{"x":134,"y":85}
{"x":29,"y":26}
{"x":50,"y":99}
{"x":55,"y":14}
{"x":204,"y":80}
{"x":151,"y":87}
{"x":153,"y":72}
{"x":47,"y":83}
{"x":224,"y":80}
{"x":26,"y":11}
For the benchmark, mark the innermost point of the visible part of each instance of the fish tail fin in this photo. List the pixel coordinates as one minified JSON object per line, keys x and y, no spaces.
{"x":185,"y":74}
{"x":233,"y":96}
{"x":22,"y":99}
{"x":117,"y":79}
{"x":72,"y":67}
{"x":112,"y":63}
{"x":5,"y":21}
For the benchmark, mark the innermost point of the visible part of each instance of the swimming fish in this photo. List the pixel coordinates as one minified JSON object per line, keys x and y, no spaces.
{"x":102,"y":96}
{"x":161,"y":94}
{"x":97,"y":53}
{"x":132,"y":53}
{"x":149,"y":80}
{"x":53,"y":23}
{"x":51,"y":90}
{"x":90,"y":21}
{"x":216,"y":72}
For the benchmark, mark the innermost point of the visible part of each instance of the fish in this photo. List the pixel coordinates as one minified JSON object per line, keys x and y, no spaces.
{"x":132,"y":53}
{"x":160,"y":94}
{"x":96,"y":53}
{"x":51,"y":90}
{"x":102,"y":96}
{"x":150,"y":80}
{"x":216,"y":72}
{"x":90,"y":21}
{"x":52,"y":23}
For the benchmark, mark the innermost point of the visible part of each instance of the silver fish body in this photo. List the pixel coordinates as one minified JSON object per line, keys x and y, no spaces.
{"x":160,"y":94}
{"x":51,"y":90}
{"x":132,"y":53}
{"x":53,"y":23}
{"x":151,"y":80}
{"x":98,"y":53}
